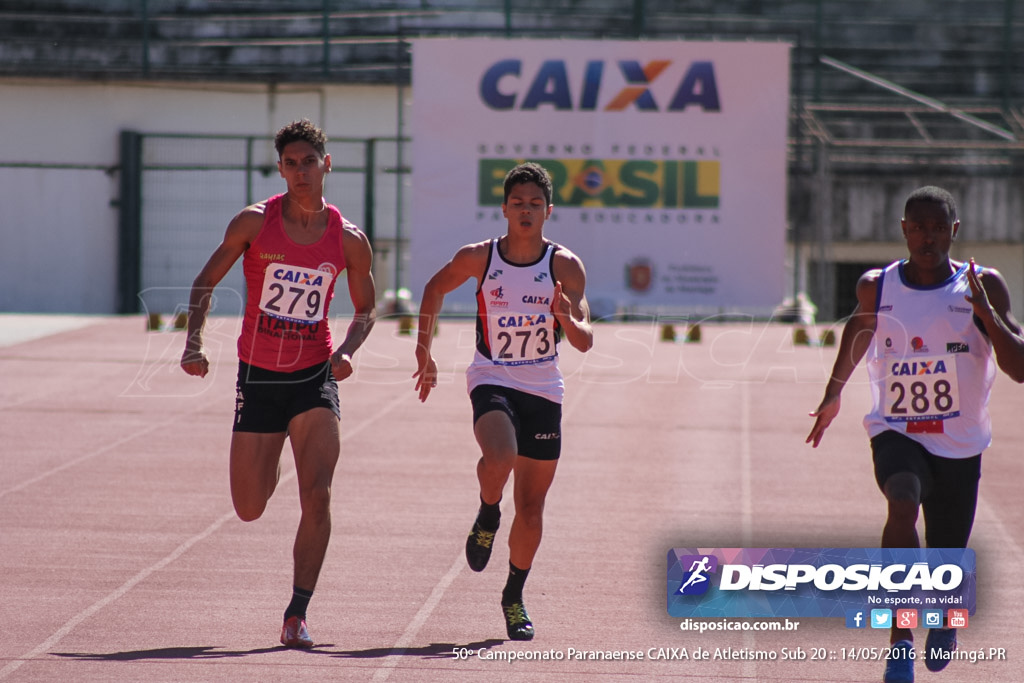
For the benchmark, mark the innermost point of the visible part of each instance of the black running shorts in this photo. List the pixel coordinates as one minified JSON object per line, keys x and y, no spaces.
{"x":537,"y":421}
{"x":949,"y":486}
{"x":266,"y":401}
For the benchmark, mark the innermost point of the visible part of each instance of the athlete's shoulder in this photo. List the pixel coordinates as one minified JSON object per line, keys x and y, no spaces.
{"x":338,"y":218}
{"x":987,"y":272}
{"x":474,"y":250}
{"x":891,"y":267}
{"x":350,"y":233}
{"x":871,"y":276}
{"x":562,"y":251}
{"x":263,"y":207}
{"x":484,"y":245}
{"x":993,"y":282}
{"x":249,"y":221}
{"x":259,"y":209}
{"x":565,"y":258}
{"x":867,"y":288}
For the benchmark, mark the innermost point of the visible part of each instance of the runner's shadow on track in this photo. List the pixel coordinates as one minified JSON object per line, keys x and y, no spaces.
{"x":200,"y":652}
{"x":432,"y":651}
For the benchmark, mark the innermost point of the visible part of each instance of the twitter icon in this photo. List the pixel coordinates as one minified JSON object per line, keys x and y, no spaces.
{"x":881,"y":618}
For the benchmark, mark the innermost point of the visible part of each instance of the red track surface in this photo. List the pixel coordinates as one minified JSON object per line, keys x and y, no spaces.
{"x":121,"y":559}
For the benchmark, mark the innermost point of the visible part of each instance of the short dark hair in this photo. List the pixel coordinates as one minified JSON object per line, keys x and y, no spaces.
{"x":528,"y":172}
{"x":303,"y":130}
{"x":935,"y":195}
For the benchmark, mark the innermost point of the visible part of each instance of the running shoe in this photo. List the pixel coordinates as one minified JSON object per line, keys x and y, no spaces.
{"x":939,"y":639}
{"x":295,"y":634}
{"x":899,"y":667}
{"x":517,"y":622}
{"x":478,"y":547}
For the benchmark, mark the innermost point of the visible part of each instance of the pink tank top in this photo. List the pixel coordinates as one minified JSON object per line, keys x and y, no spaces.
{"x":289,"y":288}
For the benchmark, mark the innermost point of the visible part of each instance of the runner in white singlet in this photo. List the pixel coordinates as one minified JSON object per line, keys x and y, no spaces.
{"x":529,"y":290}
{"x":933,"y":330}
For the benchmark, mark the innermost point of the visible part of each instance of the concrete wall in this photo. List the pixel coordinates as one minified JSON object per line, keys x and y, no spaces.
{"x":1007,"y":258}
{"x":58,"y":228}
{"x":869,"y":208}
{"x":864,"y":227}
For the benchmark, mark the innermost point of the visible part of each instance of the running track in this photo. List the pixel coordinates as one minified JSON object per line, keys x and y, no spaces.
{"x":121,"y":559}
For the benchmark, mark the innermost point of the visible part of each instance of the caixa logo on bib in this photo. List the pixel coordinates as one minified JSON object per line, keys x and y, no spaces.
{"x":816,"y":582}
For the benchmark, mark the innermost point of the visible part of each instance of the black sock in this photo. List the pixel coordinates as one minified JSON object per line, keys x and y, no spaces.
{"x":300,"y":601}
{"x":489,"y":515}
{"x":513,"y":591}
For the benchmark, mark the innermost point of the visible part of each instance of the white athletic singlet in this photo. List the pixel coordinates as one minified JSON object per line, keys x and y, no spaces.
{"x":930,"y":366}
{"x":516,"y":332}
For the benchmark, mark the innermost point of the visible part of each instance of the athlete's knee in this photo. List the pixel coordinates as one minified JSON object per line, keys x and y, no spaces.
{"x":901,"y":518}
{"x":496,"y":437}
{"x":247,"y":516}
{"x":249,"y":497}
{"x":316,"y":500}
{"x":903,"y":489}
{"x":530,"y":514}
{"x":496,"y":465}
{"x":248,"y":510}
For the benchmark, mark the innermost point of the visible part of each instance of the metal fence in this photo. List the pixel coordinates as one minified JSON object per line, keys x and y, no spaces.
{"x":974,"y":44}
{"x":956,"y":59}
{"x":179,"y":192}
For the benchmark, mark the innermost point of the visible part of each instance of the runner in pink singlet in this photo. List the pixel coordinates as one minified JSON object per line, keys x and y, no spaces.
{"x":294,"y":247}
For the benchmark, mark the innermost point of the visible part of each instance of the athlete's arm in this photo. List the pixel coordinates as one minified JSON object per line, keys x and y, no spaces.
{"x":570,"y":303}
{"x":469,"y":261}
{"x":240,"y":233}
{"x":858,"y":332}
{"x":990,"y":299}
{"x":358,"y":266}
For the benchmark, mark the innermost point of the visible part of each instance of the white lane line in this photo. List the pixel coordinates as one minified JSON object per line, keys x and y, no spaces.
{"x":749,"y":668}
{"x":70,"y":625}
{"x":391,"y":660}
{"x":92,"y":609}
{"x":746,"y":495}
{"x":406,"y":639}
{"x":100,"y":451}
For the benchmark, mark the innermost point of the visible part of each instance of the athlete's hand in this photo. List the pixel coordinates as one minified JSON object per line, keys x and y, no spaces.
{"x":979,"y":297}
{"x":426,"y":376}
{"x":194,"y":362}
{"x":823,"y":417}
{"x":341,"y":365}
{"x":560,"y":304}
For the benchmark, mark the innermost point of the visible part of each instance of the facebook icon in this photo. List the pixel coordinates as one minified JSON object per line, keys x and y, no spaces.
{"x":855,"y":618}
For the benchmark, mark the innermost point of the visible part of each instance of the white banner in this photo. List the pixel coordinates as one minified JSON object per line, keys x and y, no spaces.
{"x":668,"y":157}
